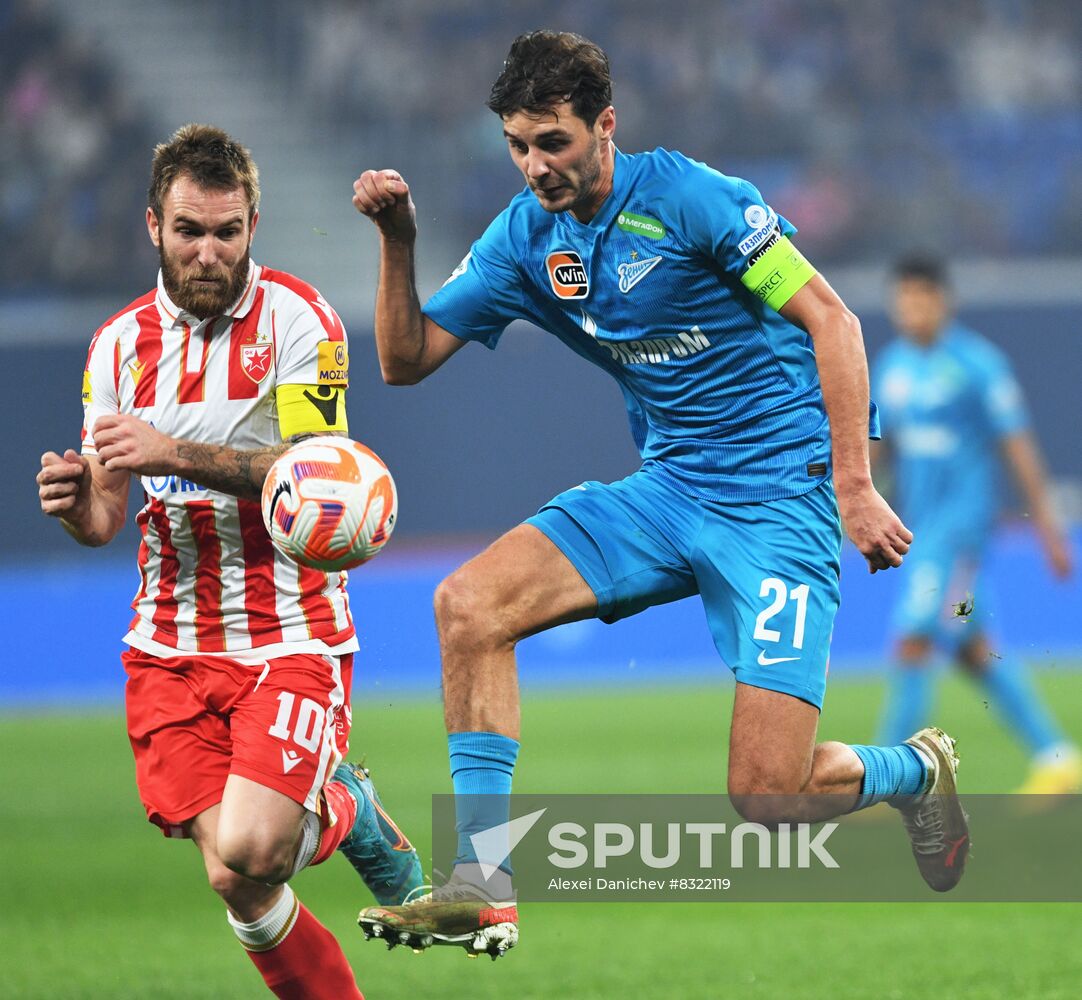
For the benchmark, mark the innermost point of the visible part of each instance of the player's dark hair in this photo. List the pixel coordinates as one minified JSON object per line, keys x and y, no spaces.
{"x":212,"y":158}
{"x":544,"y":68}
{"x":922,"y":267}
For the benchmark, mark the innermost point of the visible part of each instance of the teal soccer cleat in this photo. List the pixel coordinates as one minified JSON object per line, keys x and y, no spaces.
{"x":376,"y":847}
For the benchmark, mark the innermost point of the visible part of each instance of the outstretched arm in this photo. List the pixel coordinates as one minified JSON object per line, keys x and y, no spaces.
{"x":410,"y":345}
{"x":1024,"y":459}
{"x":843,"y":375}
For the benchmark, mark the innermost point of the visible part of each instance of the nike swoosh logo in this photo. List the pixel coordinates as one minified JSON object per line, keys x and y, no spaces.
{"x":326,"y":404}
{"x":766,"y":661}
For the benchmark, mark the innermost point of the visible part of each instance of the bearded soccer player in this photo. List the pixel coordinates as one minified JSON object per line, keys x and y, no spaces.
{"x":955,"y":416}
{"x":239,"y":660}
{"x":746,"y":387}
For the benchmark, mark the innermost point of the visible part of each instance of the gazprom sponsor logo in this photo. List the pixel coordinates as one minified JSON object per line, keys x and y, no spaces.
{"x":657,"y":349}
{"x":762,"y":232}
{"x":640,"y":225}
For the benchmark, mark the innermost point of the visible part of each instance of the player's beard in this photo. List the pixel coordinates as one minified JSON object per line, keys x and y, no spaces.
{"x":589,"y":171}
{"x":580,"y":192}
{"x":204,"y":300}
{"x":583,"y":190}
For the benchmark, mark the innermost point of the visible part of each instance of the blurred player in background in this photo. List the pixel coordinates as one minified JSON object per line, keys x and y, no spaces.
{"x":953,"y":415}
{"x":731,"y":352}
{"x":240,"y":660}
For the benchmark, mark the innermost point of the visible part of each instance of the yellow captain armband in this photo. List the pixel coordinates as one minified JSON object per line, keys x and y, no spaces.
{"x":778,"y":274}
{"x":311,"y":409}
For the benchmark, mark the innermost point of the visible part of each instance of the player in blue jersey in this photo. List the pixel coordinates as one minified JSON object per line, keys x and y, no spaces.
{"x":953,"y":416}
{"x":746,"y":388}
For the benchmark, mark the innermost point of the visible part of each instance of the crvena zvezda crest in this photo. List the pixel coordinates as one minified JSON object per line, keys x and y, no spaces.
{"x":255,"y":359}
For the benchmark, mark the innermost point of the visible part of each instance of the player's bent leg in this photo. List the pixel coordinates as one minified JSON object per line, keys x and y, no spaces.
{"x":298,"y":958}
{"x":259,"y":831}
{"x":520,"y":585}
{"x":777,"y":774}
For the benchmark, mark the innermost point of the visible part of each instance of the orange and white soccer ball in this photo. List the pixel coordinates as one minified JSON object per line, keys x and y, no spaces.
{"x":329,"y":503}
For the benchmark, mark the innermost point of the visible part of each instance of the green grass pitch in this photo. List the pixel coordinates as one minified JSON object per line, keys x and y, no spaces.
{"x":96,"y":904}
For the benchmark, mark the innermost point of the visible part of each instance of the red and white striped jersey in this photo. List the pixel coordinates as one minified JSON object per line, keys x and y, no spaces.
{"x":211,"y":580}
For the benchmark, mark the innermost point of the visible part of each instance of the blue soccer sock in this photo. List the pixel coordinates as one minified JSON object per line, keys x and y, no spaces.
{"x":481,"y":768}
{"x":889,"y":771}
{"x":909,"y":700}
{"x":1009,"y":689}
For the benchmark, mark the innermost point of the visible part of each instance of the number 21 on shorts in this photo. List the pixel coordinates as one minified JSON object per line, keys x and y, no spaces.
{"x":780,"y":593}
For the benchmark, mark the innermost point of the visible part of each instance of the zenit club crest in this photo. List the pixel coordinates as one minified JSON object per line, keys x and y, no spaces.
{"x":567,"y":274}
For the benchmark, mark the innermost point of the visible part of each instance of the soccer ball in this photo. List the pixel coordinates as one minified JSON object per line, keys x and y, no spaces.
{"x":329,"y":503}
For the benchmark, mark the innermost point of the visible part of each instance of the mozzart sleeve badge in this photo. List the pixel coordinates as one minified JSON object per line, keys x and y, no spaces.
{"x":313,"y":372}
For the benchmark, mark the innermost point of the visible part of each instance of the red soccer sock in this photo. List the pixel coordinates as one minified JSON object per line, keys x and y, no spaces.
{"x":298,"y":958}
{"x":344,"y":807}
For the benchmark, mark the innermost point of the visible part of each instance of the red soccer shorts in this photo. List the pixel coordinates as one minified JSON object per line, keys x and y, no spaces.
{"x":194,"y":720}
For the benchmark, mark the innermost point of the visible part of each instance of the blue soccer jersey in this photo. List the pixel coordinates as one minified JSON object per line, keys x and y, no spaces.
{"x":722,"y":392}
{"x":945,"y":409}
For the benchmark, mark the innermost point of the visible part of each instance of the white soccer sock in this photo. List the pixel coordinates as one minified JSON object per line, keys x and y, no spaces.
{"x":268,"y":931}
{"x":310,"y":837}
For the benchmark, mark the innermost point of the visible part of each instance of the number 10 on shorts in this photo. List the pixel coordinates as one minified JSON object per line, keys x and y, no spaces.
{"x":778,"y":590}
{"x":307,"y":728}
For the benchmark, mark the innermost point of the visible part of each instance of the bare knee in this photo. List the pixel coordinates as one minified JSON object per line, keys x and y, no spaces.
{"x":468,"y":611}
{"x":227,"y":883}
{"x":247,"y":900}
{"x":258,"y":859}
{"x":760,"y":796}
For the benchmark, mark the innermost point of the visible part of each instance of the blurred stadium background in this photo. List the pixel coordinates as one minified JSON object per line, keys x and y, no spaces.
{"x":877,"y":127}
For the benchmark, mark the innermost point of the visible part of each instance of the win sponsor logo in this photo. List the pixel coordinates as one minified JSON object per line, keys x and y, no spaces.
{"x":567,"y":274}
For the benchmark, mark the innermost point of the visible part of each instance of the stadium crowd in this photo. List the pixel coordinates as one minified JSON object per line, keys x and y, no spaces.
{"x":72,"y":140}
{"x":871,"y":125}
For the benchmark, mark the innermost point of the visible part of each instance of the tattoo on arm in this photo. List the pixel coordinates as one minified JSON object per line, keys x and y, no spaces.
{"x":227,"y":470}
{"x":230,"y":470}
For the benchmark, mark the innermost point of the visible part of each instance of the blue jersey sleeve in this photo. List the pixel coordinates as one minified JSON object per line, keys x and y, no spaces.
{"x":726,"y":218}
{"x":1001,"y":397}
{"x":483,"y":294}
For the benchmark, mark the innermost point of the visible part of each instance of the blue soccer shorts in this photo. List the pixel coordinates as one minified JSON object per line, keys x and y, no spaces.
{"x":767,"y":572}
{"x":939,"y":580}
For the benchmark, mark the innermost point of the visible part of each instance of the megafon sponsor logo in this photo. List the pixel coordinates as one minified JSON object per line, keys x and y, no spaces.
{"x":567,"y":274}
